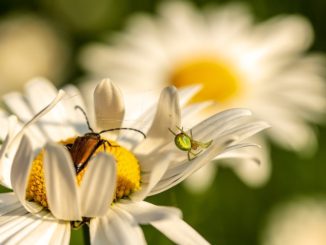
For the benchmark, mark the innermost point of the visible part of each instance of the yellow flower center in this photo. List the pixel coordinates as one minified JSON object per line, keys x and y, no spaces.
{"x":220,"y":83}
{"x":128,"y":173}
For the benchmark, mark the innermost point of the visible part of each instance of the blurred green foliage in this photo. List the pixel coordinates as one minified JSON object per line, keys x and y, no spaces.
{"x":230,"y":213}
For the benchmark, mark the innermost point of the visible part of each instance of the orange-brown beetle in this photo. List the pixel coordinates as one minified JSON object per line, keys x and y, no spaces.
{"x":85,"y":146}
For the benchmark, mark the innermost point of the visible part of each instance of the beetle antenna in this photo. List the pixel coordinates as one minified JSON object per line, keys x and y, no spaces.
{"x":77,"y":107}
{"x":115,"y":129}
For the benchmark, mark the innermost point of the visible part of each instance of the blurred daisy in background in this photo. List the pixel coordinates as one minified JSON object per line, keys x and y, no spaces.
{"x":30,"y":46}
{"x":300,"y":222}
{"x":56,"y":189}
{"x":262,"y":67}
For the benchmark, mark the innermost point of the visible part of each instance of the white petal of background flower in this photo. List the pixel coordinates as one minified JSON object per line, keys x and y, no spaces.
{"x":281,"y":83}
{"x":300,"y":221}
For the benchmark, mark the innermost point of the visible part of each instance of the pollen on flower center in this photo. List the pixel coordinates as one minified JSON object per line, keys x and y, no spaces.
{"x":219,"y":82}
{"x":128,"y":171}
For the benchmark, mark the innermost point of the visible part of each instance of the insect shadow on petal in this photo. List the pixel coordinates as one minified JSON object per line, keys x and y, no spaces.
{"x":185,"y":142}
{"x":85,"y":146}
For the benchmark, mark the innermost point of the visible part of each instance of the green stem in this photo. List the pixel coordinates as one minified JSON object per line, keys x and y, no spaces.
{"x":87,"y":240}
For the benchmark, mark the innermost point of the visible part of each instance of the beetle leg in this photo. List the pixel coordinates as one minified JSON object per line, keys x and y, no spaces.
{"x":68,"y":146}
{"x":108,"y":142}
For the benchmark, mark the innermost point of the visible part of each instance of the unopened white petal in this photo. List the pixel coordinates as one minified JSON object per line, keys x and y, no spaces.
{"x":109,"y":105}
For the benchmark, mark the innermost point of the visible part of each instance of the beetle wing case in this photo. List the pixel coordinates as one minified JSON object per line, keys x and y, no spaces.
{"x":83,"y":148}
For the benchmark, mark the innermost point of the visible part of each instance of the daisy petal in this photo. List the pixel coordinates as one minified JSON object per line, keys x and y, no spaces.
{"x":145,"y":213}
{"x":180,"y":171}
{"x":242,"y":132}
{"x":76,"y":118}
{"x":186,"y":93}
{"x":13,"y":222}
{"x":219,"y":122}
{"x":39,"y":93}
{"x":39,"y":229}
{"x":61,"y":234}
{"x":40,"y":114}
{"x":109,"y":106}
{"x":6,"y":158}
{"x":191,"y":113}
{"x":175,"y":175}
{"x":252,"y":164}
{"x":98,"y":185}
{"x":60,"y":183}
{"x":178,"y":231}
{"x":17,"y":104}
{"x":117,"y":227}
{"x":20,"y":170}
{"x":155,"y":174}
{"x":8,"y":203}
{"x":168,"y":116}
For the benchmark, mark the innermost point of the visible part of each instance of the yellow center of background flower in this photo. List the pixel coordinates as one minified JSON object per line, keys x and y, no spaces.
{"x":128,"y":171}
{"x":219,"y":82}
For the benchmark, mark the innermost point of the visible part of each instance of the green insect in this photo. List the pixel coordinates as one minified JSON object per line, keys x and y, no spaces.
{"x":186,"y":143}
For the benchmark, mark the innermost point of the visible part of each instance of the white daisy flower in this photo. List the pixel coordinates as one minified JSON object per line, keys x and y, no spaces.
{"x":299,"y":222}
{"x":62,"y":179}
{"x":239,"y":63}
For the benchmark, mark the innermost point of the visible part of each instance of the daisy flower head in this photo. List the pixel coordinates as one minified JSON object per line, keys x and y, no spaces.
{"x":26,"y":37}
{"x":239,"y":63}
{"x":66,"y":173}
{"x":301,"y":222}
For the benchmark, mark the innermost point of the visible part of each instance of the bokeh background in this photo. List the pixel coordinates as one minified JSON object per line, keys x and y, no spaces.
{"x":230,"y":213}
